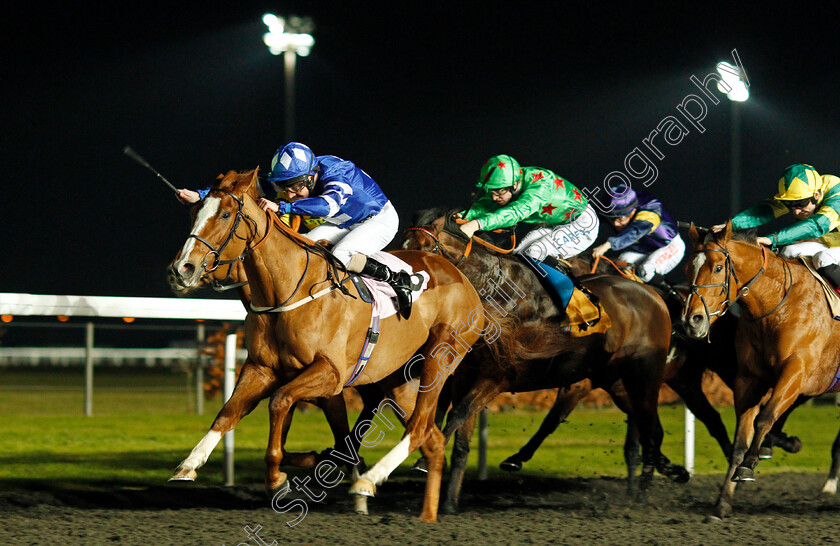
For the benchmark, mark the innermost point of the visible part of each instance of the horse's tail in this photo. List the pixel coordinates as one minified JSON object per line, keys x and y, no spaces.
{"x":520,"y":341}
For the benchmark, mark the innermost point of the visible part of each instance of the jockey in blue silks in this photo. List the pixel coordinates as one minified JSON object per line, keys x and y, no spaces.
{"x":357,"y":216}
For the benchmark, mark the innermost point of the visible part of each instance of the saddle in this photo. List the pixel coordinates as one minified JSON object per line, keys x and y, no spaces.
{"x":831,"y":295}
{"x":584,"y":312}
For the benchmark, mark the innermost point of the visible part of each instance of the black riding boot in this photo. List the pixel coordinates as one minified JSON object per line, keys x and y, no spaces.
{"x":832,"y":273}
{"x":400,"y":281}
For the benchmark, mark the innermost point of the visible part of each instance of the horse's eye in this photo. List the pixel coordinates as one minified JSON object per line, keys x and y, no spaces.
{"x":225,"y":215}
{"x":718,"y":268}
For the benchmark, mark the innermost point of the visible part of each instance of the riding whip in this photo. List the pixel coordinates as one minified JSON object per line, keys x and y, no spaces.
{"x":136,"y":157}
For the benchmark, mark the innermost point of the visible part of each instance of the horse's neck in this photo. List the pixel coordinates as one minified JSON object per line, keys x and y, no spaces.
{"x":278,"y":267}
{"x":770,"y":287}
{"x":506,"y":280}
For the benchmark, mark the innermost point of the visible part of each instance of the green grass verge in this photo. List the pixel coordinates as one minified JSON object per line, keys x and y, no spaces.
{"x":139,"y":437}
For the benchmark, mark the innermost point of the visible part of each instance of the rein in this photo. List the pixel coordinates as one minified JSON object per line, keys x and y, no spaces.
{"x":621,"y":271}
{"x":334,"y":267}
{"x":468,"y":249}
{"x":743,"y":291}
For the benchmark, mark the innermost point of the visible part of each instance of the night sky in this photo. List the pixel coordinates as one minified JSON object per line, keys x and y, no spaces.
{"x":418,"y":96}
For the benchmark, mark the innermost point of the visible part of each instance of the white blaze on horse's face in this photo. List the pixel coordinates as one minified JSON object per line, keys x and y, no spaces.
{"x":696,"y":264}
{"x":209,"y":209}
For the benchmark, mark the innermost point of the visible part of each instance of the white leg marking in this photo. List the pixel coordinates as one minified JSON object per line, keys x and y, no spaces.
{"x":830,"y":487}
{"x":382,"y":469}
{"x":198,"y":456}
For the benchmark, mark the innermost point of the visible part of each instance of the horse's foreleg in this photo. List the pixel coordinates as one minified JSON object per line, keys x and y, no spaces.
{"x":254,"y":383}
{"x":481,"y":393}
{"x":317,"y":380}
{"x":748,"y":396}
{"x":785,"y":393}
{"x":335,"y":411}
{"x":460,"y":455}
{"x":777,"y":436}
{"x":567,"y":400}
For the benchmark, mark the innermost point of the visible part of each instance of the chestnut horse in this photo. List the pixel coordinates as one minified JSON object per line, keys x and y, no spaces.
{"x":628,"y":361}
{"x":230,"y":275}
{"x":313,"y":341}
{"x":787,"y":341}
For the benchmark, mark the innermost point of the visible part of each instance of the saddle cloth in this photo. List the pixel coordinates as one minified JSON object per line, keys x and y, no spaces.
{"x":586,"y":317}
{"x":830,"y":295}
{"x":384,"y":297}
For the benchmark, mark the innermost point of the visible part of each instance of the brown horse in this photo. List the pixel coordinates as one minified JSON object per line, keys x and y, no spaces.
{"x":628,"y":361}
{"x":688,"y":360}
{"x":787,"y":341}
{"x":315,"y":338}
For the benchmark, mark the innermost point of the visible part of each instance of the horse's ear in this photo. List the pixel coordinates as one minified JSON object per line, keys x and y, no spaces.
{"x":693,"y":235}
{"x":727,"y":232}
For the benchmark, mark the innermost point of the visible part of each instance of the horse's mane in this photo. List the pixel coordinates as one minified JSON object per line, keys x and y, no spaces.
{"x":744,"y":235}
{"x":518,"y":340}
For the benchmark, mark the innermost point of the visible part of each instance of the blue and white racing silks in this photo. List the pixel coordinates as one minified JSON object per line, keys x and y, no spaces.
{"x":343,"y":195}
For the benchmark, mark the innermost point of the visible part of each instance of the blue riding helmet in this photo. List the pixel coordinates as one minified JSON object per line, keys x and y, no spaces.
{"x":291,"y":164}
{"x":623,"y":200}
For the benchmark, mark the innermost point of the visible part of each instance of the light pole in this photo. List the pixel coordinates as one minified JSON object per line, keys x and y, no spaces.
{"x":735,"y":85}
{"x":291,"y":38}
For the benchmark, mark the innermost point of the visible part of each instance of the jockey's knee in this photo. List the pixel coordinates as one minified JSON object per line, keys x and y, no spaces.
{"x":824,"y":259}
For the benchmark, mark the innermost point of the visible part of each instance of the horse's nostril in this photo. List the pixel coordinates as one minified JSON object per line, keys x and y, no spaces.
{"x":187,"y":268}
{"x":695,"y":320}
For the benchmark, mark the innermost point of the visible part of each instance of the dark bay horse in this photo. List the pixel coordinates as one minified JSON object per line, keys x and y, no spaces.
{"x":314,"y":340}
{"x":787,"y":342}
{"x":628,"y":361}
{"x":688,"y":361}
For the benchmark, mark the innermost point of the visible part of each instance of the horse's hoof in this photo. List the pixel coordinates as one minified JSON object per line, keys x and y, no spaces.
{"x":743,"y":474}
{"x":279,"y":486}
{"x":449,"y":509}
{"x":765,"y":452}
{"x":792,"y":444}
{"x":511,"y":465}
{"x":712,"y":519}
{"x":678,"y":474}
{"x":361,"y":505}
{"x":182,"y":475}
{"x":420,"y":466}
{"x":363,"y":487}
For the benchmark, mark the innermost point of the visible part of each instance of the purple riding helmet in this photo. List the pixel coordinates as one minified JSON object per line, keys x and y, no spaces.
{"x":623,"y":200}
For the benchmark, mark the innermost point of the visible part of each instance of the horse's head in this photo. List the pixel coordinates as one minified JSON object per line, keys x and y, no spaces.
{"x":715,"y":283}
{"x":435,"y":230}
{"x":219,"y":235}
{"x":438,"y":231}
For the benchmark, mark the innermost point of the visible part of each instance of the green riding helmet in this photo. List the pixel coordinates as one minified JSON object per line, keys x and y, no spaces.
{"x":500,"y":171}
{"x":800,"y":181}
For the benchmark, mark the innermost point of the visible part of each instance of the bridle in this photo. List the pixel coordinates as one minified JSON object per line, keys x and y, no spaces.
{"x":217,"y":252}
{"x":730,"y":275}
{"x":334,"y":267}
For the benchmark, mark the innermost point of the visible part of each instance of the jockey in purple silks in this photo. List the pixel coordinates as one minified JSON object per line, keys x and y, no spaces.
{"x":644,"y":235}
